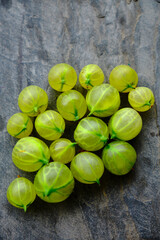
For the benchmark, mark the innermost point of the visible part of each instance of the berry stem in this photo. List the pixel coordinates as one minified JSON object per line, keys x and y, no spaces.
{"x":73,"y":144}
{"x":90,"y":114}
{"x":25,"y":208}
{"x":97,"y":181}
{"x":44,"y":161}
{"x":35,"y":109}
{"x":113,"y":135}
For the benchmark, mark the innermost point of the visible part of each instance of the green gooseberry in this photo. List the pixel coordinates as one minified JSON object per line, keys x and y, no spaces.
{"x":62,"y":150}
{"x":71,"y":105}
{"x":30,"y":154}
{"x":103,"y":100}
{"x":19,"y":125}
{"x":87,"y":168}
{"x":54,"y":182}
{"x":119,"y":157}
{"x":33,"y":100}
{"x":141,"y":99}
{"x":91,"y":133}
{"x":125,"y":124}
{"x":123,"y":78}
{"x":21,"y":193}
{"x":50,"y":125}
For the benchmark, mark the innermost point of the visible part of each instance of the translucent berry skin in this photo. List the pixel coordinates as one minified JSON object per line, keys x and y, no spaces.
{"x":119,"y":157}
{"x":103,"y":100}
{"x":33,"y":100}
{"x":91,"y":133}
{"x":90,"y":76}
{"x":125,"y":124}
{"x":62,"y":150}
{"x":62,"y":77}
{"x":50,"y":125}
{"x":87,"y":168}
{"x":71,"y":105}
{"x":21,"y":193}
{"x":54,"y":182}
{"x":124,"y":78}
{"x":19,"y":125}
{"x":141,"y":99}
{"x":30,"y":154}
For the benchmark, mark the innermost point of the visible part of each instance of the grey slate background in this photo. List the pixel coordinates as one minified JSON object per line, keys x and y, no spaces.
{"x":34,"y":36}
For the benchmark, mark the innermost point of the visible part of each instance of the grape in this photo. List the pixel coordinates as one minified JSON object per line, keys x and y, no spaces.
{"x":21,"y":193}
{"x":50,"y":125}
{"x":54,"y":182}
{"x":62,"y":77}
{"x":119,"y":157}
{"x":30,"y":153}
{"x":19,"y":125}
{"x":125,"y":124}
{"x":33,"y":100}
{"x":71,"y":105}
{"x":91,"y":133}
{"x":87,"y":168}
{"x":141,"y":99}
{"x":62,"y":150}
{"x":90,"y":76}
{"x":103,"y":100}
{"x":124,"y":78}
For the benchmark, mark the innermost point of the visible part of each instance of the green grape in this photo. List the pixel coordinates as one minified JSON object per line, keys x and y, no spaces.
{"x":90,"y":76}
{"x":54,"y":182}
{"x":87,"y":168}
{"x":30,"y":153}
{"x":91,"y":133}
{"x":71,"y":105}
{"x":125,"y":124}
{"x":103,"y":100}
{"x":124,"y":78}
{"x":62,"y":150}
{"x":119,"y":157}
{"x":62,"y":77}
{"x":33,"y":100}
{"x":141,"y":99}
{"x":50,"y":125}
{"x":19,"y":125}
{"x":21,"y":193}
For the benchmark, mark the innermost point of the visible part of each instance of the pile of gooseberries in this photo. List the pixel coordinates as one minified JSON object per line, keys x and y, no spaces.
{"x":54,"y":181}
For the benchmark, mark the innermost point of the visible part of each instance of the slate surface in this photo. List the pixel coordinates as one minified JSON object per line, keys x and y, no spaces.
{"x":34,"y":36}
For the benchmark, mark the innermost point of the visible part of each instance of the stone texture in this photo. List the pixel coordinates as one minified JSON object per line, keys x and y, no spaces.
{"x":34,"y":36}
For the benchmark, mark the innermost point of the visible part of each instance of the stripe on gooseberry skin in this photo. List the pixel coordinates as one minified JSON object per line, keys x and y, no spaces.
{"x":52,"y":190}
{"x":23,"y":129}
{"x":129,"y":123}
{"x":104,"y":92}
{"x":75,"y":167}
